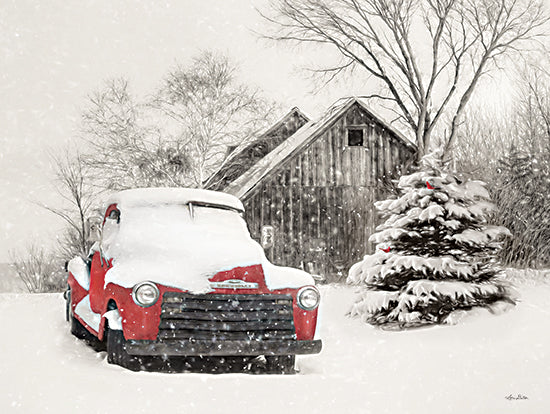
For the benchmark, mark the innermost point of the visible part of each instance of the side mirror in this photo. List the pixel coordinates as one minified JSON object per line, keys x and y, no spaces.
{"x":93,"y":229}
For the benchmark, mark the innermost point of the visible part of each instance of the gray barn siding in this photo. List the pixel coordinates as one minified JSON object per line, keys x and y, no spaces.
{"x":320,"y":199}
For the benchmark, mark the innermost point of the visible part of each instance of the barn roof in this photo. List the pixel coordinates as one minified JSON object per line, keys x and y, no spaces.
{"x":248,"y":153}
{"x":301,"y":138}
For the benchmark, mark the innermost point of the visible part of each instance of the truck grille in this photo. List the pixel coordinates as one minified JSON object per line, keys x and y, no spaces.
{"x":226,"y":317}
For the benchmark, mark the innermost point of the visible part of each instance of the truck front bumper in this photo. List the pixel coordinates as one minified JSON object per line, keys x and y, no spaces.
{"x":222,"y":348}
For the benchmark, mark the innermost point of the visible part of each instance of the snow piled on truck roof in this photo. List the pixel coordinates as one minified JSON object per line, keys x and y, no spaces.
{"x":181,"y":247}
{"x":157,"y":196}
{"x":169,"y":245}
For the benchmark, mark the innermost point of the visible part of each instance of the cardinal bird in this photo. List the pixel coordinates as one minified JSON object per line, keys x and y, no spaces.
{"x":386,"y":250}
{"x":429,"y":185}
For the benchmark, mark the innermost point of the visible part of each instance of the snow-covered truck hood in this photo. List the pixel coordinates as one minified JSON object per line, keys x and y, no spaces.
{"x":182,"y":246}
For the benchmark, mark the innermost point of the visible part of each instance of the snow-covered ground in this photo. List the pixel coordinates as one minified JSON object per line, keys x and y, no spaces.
{"x":468,"y":368}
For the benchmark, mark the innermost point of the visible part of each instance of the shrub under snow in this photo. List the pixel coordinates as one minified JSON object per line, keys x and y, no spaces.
{"x":435,"y":253}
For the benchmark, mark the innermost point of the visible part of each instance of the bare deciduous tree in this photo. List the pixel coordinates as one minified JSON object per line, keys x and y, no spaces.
{"x":428,"y":56}
{"x":126,"y":150}
{"x":483,"y":138}
{"x":180,"y":134}
{"x":533,"y":109}
{"x":209,"y":110}
{"x":39,"y":270}
{"x":73,"y":185}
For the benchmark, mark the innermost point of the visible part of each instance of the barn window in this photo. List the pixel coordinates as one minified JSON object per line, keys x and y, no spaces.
{"x":355,"y":137}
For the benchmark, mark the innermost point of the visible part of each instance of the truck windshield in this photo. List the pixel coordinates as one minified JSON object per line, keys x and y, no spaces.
{"x":217,"y":219}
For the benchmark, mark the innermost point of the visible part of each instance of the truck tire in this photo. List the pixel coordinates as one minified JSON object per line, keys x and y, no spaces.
{"x":117,"y":354}
{"x":280,"y":364}
{"x":78,"y":330}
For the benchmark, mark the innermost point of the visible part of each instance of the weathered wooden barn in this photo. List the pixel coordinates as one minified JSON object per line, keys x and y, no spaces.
{"x":309,"y":186}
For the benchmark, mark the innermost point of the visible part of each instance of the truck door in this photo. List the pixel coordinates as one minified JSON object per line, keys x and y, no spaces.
{"x":100,"y":263}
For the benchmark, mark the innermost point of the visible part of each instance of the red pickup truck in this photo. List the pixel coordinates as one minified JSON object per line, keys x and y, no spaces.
{"x":175,"y":280}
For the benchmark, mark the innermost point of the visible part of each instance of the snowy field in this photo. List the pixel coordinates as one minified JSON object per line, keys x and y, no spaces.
{"x":469,"y":368}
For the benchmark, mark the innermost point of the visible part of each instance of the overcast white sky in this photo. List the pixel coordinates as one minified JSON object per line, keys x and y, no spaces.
{"x":55,"y":52}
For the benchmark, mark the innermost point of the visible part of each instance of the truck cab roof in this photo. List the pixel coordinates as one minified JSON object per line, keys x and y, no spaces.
{"x":141,"y":197}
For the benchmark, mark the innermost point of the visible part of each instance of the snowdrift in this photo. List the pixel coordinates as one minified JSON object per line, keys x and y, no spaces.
{"x":480,"y":366}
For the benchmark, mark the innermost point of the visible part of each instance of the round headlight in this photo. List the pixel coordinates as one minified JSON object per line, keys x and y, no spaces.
{"x":145,"y":294}
{"x":308,"y":298}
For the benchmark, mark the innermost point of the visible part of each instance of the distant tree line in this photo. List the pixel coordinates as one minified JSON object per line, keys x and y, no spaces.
{"x":512,"y":154}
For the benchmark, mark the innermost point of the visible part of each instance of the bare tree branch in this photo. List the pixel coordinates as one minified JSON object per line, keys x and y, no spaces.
{"x":209,"y":111}
{"x":386,"y":38}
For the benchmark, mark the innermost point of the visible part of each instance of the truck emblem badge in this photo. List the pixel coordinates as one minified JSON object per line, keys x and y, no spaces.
{"x":233,"y":284}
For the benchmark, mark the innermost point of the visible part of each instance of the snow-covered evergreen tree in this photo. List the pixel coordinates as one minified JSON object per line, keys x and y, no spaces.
{"x":435,"y":253}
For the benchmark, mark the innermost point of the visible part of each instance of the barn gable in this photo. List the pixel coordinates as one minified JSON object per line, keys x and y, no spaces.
{"x":357,"y":117}
{"x":248,"y":154}
{"x":310,"y":201}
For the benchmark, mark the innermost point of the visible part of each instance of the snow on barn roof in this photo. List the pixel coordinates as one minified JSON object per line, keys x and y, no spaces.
{"x":302,"y":137}
{"x":235,"y":158}
{"x":155,"y":196}
{"x":294,"y":111}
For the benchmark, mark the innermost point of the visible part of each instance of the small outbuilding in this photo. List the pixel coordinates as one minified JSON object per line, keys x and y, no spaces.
{"x":309,"y":187}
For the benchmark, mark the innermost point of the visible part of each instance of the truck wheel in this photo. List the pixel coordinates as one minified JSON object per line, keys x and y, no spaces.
{"x":280,"y":364}
{"x":117,"y":354}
